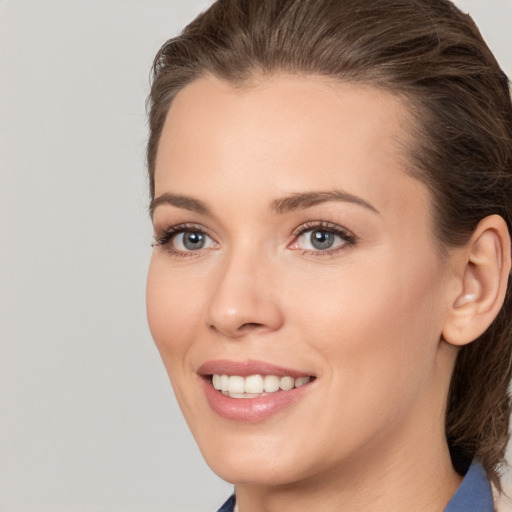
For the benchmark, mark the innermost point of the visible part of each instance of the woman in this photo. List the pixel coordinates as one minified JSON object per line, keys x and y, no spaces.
{"x":331,"y":186}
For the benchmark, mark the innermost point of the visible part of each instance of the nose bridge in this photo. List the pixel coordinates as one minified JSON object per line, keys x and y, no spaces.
{"x":244,"y":299}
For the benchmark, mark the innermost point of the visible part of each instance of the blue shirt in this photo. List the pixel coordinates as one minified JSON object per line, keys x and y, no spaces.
{"x":473,"y":495}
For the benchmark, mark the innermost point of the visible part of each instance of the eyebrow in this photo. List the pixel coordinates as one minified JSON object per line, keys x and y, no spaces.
{"x":304,"y":200}
{"x":297,"y":201}
{"x":180,"y":201}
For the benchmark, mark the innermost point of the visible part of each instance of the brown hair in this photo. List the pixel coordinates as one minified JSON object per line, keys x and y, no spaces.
{"x":431,"y":54}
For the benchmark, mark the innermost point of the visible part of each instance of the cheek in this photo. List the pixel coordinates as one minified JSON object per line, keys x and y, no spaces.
{"x":379,"y":327}
{"x":173,"y":304}
{"x":173,"y":307}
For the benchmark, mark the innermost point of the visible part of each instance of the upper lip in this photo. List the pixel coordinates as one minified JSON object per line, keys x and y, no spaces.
{"x":248,"y":367}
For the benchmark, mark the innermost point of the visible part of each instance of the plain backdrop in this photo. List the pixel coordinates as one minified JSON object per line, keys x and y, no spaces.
{"x":88,"y":422}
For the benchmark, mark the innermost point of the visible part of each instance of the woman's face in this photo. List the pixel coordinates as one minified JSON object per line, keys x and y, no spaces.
{"x":293,"y":250}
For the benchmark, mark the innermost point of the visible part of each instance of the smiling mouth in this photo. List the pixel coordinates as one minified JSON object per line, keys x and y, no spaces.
{"x":256,"y":386}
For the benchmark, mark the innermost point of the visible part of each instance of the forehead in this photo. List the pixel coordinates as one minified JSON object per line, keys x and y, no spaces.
{"x":287,"y":133}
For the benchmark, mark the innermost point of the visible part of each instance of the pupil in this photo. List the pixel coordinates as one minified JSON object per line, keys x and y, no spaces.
{"x":322,"y":240}
{"x":193,"y":241}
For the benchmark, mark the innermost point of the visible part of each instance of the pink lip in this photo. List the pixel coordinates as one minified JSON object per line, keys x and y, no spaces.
{"x":245,"y":368}
{"x":249,"y":410}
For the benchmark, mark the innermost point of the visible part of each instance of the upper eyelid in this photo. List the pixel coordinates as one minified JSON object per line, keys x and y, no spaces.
{"x":182,"y":227}
{"x":179,"y":225}
{"x":175,"y":229}
{"x":319,"y":225}
{"x":165,"y":235}
{"x":190,"y":226}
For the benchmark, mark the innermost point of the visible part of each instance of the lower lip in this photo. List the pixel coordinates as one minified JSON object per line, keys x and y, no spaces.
{"x":250,"y":410}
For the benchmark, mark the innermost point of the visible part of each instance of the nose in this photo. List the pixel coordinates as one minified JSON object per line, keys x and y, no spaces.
{"x":245,"y":298}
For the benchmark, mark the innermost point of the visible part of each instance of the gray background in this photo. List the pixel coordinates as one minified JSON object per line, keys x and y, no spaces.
{"x":87,"y":417}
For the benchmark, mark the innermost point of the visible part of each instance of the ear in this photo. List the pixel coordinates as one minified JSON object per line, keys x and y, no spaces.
{"x":482,"y":276}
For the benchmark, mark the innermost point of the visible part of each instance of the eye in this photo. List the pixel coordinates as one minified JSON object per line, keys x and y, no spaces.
{"x":322,"y":238}
{"x":184,"y":240}
{"x":190,"y":241}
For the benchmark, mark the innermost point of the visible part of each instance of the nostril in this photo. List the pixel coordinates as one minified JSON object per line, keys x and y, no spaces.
{"x":237,"y":331}
{"x":250,"y":326}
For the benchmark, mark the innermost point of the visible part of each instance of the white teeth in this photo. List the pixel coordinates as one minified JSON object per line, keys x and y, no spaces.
{"x":246,"y":395}
{"x":271,"y":383}
{"x":300,"y":381}
{"x":287,"y":383}
{"x":236,"y":384}
{"x":224,"y":382}
{"x":254,"y":386}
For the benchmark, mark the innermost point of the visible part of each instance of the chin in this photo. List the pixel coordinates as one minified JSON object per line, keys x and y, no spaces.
{"x":251,"y":460}
{"x":253,"y":470}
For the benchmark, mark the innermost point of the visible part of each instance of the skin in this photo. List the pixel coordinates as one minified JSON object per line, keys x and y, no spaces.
{"x":366,"y":318}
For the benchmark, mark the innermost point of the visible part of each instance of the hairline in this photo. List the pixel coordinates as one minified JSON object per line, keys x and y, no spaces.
{"x":408,"y":146}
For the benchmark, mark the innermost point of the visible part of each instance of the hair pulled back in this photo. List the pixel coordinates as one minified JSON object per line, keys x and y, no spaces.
{"x":432,"y":55}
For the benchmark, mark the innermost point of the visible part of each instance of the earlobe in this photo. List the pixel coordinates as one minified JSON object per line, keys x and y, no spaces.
{"x":483,"y":278}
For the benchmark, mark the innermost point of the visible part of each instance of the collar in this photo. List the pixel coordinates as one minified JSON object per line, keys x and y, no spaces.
{"x":229,"y":506}
{"x":473,"y":495}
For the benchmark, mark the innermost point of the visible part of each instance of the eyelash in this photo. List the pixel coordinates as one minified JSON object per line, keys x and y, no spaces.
{"x":347,"y":236}
{"x":163,"y":239}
